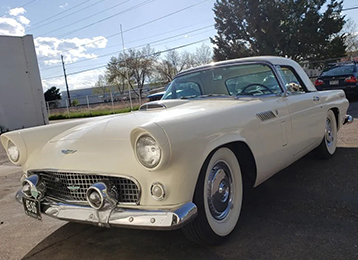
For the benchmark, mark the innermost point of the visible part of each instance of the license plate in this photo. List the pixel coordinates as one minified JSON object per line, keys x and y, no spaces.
{"x":32,"y":207}
{"x":334,"y":82}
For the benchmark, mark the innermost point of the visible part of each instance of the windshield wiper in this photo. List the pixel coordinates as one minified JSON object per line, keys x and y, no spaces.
{"x":187,"y":97}
{"x":212,"y":95}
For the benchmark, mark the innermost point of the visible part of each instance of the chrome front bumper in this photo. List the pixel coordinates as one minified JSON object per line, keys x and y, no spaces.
{"x":134,"y":218}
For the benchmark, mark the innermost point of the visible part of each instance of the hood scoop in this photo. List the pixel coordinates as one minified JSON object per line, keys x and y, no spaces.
{"x":150,"y":106}
{"x":162,"y":104}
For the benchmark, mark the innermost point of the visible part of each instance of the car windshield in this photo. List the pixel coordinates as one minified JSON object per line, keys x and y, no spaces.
{"x":339,"y":70}
{"x":233,"y":80}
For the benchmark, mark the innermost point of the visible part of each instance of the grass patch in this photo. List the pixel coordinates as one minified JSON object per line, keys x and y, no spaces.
{"x":83,"y":114}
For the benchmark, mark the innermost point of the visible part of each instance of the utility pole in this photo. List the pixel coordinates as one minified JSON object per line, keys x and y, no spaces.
{"x":125,"y":64}
{"x":64,"y":73}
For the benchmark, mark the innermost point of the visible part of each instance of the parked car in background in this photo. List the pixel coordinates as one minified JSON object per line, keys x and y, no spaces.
{"x":155,"y":96}
{"x":342,"y":75}
{"x":182,"y":161}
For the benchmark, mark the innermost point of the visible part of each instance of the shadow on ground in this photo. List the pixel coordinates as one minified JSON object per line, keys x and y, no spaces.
{"x":307,"y":211}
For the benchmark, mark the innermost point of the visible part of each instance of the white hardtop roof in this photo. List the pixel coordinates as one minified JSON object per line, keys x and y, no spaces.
{"x":271,"y":59}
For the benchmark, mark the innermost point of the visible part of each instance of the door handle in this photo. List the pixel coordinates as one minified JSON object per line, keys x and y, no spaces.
{"x":315,"y":98}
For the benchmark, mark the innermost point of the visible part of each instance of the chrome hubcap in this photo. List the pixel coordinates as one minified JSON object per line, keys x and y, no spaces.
{"x":329,"y":135}
{"x":219,"y":191}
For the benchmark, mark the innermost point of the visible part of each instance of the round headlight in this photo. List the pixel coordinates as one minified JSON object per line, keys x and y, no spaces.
{"x":13,"y":152}
{"x":148,"y":151}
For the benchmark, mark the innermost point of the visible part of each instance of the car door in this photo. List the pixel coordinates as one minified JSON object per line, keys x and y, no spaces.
{"x":306,"y":112}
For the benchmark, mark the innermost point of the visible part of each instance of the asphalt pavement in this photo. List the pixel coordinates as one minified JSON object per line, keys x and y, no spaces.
{"x":307,"y":211}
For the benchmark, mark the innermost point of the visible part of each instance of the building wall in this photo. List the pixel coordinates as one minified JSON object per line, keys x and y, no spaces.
{"x":22,"y":101}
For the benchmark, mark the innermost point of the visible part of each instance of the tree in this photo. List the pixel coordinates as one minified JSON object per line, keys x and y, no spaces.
{"x":52,"y":93}
{"x":294,"y":28}
{"x":203,"y":55}
{"x":351,"y":32}
{"x":173,"y":63}
{"x":134,"y":67}
{"x":100,"y":87}
{"x":52,"y":97}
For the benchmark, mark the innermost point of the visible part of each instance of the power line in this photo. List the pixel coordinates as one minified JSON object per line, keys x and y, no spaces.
{"x":149,"y":22}
{"x":350,"y":8}
{"x":76,"y":12}
{"x":85,"y":18}
{"x":156,"y":53}
{"x":107,"y":18}
{"x":153,"y":36}
{"x":28,"y":3}
{"x":49,"y":18}
{"x":160,"y":40}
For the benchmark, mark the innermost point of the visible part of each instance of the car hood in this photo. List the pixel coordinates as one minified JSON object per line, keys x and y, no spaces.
{"x":94,"y":143}
{"x":119,"y":126}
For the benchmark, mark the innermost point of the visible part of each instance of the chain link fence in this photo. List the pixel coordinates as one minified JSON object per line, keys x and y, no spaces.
{"x":107,"y":103}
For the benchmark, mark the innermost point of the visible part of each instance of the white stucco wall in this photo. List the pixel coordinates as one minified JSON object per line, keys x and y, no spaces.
{"x":22,"y":101}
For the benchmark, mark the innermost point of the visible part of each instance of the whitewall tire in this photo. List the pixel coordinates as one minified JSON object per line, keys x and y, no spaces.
{"x":218,"y":196}
{"x":328,"y":145}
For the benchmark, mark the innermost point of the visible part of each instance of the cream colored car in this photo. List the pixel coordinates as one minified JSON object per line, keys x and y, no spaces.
{"x":180,"y":162}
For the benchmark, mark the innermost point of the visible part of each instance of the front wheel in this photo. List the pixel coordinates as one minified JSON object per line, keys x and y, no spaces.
{"x":329,"y":142}
{"x":218,"y":196}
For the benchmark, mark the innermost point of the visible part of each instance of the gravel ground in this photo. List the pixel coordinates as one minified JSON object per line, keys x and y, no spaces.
{"x":307,"y":211}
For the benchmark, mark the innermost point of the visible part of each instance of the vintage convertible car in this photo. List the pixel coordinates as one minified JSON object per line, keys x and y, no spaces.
{"x":180,"y":162}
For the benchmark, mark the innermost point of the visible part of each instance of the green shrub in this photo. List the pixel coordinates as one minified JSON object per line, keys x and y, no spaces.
{"x":93,"y":113}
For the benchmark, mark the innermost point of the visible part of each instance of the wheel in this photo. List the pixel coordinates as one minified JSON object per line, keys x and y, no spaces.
{"x":329,"y":142}
{"x":218,"y":196}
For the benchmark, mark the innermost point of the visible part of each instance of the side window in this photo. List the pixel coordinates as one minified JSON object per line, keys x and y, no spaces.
{"x":253,"y":80}
{"x":292,"y":81}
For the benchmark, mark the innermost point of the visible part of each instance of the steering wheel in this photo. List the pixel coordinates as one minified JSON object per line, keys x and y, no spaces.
{"x":256,"y":90}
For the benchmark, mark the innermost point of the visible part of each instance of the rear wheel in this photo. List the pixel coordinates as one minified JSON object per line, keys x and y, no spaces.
{"x":218,"y":196}
{"x":328,"y":145}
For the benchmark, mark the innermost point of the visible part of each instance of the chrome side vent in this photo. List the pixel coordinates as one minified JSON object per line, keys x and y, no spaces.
{"x":149,"y":106}
{"x":266,"y":115}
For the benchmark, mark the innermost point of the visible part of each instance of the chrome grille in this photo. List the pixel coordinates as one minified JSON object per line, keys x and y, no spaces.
{"x":69,"y":186}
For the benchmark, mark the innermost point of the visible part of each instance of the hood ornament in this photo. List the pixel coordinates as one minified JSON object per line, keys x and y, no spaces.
{"x":73,"y":188}
{"x":68,"y":151}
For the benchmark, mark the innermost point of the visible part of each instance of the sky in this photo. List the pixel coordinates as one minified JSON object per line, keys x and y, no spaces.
{"x":87,"y":32}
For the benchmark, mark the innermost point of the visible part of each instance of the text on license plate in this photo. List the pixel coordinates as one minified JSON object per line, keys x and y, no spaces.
{"x":32,"y":207}
{"x":334,"y":82}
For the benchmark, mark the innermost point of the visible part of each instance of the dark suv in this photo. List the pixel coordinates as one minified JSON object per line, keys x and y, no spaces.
{"x":341,"y":75}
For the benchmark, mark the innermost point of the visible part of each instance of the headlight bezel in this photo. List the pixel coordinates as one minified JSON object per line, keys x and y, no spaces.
{"x":151,"y":141}
{"x":13,"y":148}
{"x":160,"y":136}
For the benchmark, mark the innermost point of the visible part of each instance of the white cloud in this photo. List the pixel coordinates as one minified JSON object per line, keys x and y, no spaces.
{"x":9,"y":26}
{"x":49,"y":49}
{"x":17,"y":11}
{"x":83,"y":80}
{"x":22,"y":19}
{"x":63,"y":6}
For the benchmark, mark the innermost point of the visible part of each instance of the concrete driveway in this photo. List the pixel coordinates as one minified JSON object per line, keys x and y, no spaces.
{"x":307,"y":211}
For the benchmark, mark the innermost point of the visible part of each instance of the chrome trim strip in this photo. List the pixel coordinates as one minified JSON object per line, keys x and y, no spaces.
{"x":170,"y":219}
